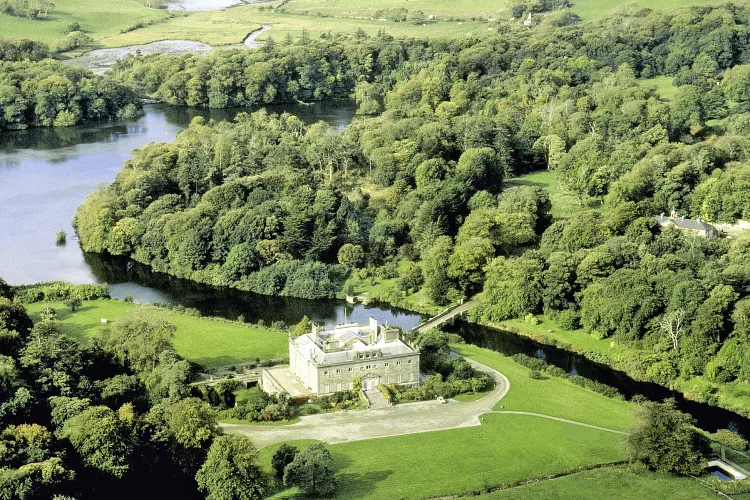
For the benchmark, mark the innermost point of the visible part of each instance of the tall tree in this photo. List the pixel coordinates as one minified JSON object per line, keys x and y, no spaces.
{"x":231,"y":470}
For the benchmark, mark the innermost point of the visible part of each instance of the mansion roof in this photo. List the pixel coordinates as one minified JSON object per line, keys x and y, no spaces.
{"x":350,"y":342}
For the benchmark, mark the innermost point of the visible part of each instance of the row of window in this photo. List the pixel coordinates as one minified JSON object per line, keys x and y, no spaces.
{"x":365,"y":367}
{"x":350,"y":385}
{"x":346,"y":386}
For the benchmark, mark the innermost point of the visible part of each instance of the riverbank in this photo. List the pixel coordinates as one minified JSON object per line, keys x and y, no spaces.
{"x":733,"y":396}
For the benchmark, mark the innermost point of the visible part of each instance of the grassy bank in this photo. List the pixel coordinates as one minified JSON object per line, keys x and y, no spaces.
{"x":209,"y":342}
{"x":733,"y":396}
{"x":608,"y":482}
{"x":552,"y":396}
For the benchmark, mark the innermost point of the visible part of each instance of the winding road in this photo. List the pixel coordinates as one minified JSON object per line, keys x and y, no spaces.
{"x":356,"y":425}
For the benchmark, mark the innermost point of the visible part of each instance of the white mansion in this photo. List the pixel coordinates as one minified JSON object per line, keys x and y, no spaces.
{"x":329,"y":361}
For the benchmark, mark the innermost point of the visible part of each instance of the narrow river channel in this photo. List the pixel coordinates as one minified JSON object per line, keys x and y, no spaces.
{"x":46,"y":173}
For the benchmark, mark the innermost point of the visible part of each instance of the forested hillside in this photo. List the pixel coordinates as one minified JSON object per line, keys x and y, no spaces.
{"x":416,"y":192}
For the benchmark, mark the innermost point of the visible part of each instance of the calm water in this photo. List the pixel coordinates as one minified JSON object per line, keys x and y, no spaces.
{"x":46,"y":173}
{"x":711,"y":418}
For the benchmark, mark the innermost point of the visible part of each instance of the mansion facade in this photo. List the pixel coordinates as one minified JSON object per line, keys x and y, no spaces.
{"x":329,"y":361}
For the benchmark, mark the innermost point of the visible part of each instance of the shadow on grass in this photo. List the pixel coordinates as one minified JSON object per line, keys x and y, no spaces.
{"x":216,"y":362}
{"x":524,"y":182}
{"x":356,"y":484}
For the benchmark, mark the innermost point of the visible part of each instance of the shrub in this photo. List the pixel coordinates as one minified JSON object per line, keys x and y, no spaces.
{"x":569,"y":319}
{"x":61,"y":238}
{"x":535,"y":375}
{"x":729,"y":439}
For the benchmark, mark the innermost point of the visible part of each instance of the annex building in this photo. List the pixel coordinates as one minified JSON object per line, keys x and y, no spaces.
{"x":694,"y":226}
{"x":329,"y":361}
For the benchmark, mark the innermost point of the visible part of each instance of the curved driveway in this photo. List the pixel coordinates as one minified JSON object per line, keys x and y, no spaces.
{"x":355,"y":425}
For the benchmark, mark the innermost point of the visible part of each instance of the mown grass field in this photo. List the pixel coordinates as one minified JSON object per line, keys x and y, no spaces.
{"x":578,"y":339}
{"x":564,"y":204}
{"x":205,"y":341}
{"x":552,"y":396}
{"x":504,"y":449}
{"x":98,"y":19}
{"x":663,"y":86}
{"x":612,"y":483}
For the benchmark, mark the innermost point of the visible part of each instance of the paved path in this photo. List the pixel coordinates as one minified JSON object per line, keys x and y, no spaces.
{"x":355,"y":425}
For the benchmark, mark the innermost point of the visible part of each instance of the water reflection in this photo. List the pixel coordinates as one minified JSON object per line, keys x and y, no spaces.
{"x":710,"y":418}
{"x":46,"y":173}
{"x":128,"y":278}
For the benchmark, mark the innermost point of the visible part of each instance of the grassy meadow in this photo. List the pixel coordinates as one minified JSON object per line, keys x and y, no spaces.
{"x":467,"y":9}
{"x":663,"y":86}
{"x":564,"y":204}
{"x":231,"y":26}
{"x":205,"y":341}
{"x":98,"y":19}
{"x":127,"y":22}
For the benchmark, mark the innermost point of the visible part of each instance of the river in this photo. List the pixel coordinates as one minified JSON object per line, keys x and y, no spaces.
{"x":46,"y":173}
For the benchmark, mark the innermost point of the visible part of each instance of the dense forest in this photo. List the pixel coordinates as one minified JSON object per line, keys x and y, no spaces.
{"x":271,"y":205}
{"x":116,"y":414}
{"x":40,"y":92}
{"x":77,"y":418}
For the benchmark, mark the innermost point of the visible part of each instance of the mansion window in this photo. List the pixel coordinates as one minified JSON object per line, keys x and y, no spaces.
{"x":398,"y":363}
{"x":387,"y":365}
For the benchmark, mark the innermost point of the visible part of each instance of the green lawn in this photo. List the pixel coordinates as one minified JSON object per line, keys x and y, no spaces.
{"x":663,"y":86}
{"x":98,"y":19}
{"x":386,"y":290}
{"x":504,"y":449}
{"x":208,"y":342}
{"x":552,"y":396}
{"x":578,"y":340}
{"x":564,"y":204}
{"x":612,"y":483}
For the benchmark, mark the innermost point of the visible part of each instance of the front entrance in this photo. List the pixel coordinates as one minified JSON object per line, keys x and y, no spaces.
{"x":370,"y":382}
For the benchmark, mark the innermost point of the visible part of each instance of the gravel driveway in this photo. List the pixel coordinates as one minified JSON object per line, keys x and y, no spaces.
{"x":355,"y":425}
